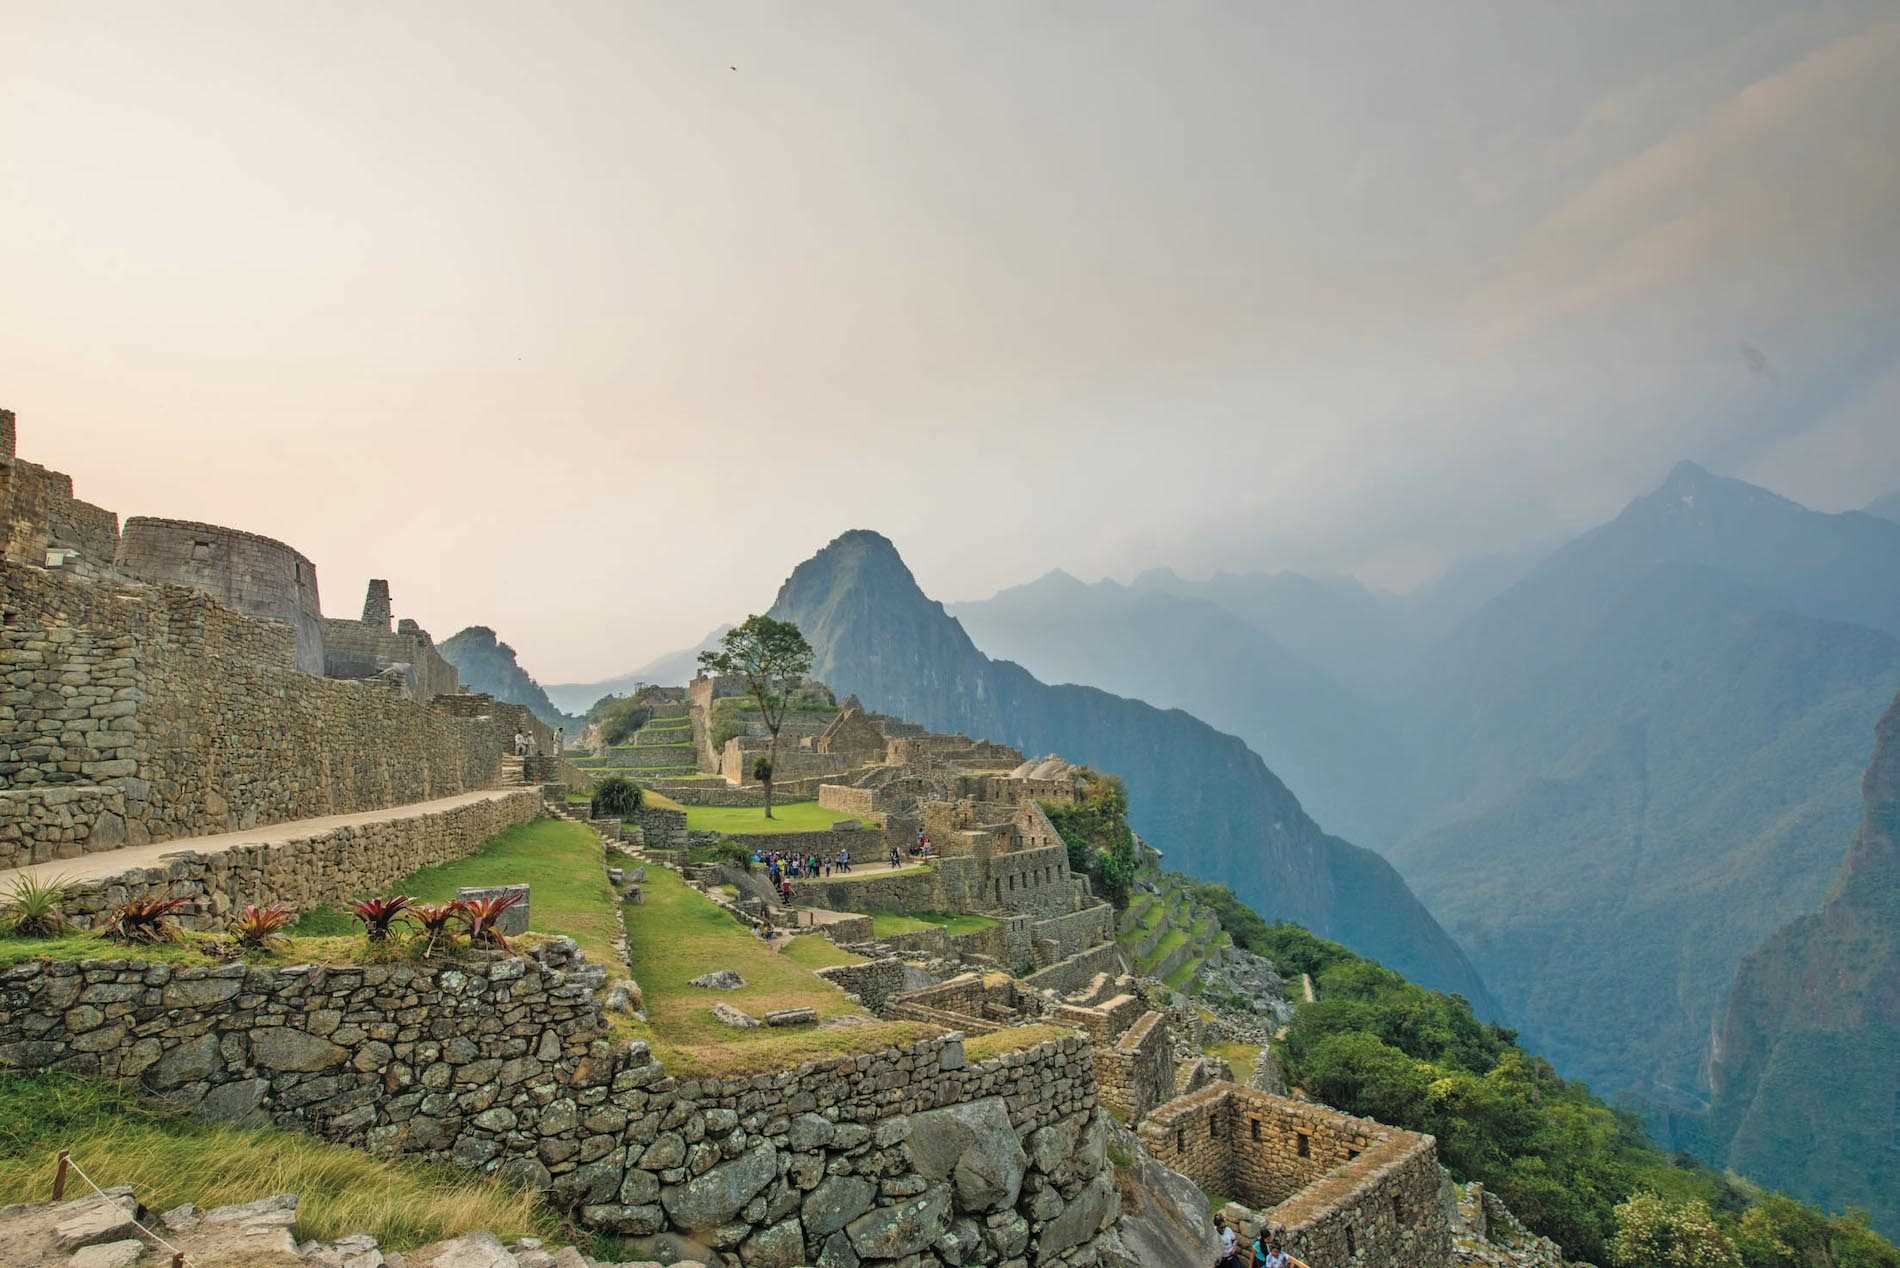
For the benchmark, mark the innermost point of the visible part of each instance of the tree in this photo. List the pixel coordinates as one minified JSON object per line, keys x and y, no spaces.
{"x":773,"y":657}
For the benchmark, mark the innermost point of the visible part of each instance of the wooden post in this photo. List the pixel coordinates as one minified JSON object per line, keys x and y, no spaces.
{"x":59,"y":1177}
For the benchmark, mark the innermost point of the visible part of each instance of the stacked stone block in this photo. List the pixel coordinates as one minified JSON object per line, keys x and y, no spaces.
{"x":907,"y":1156}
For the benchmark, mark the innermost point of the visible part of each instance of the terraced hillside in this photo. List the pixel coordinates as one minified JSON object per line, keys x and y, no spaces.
{"x":1165,"y":934}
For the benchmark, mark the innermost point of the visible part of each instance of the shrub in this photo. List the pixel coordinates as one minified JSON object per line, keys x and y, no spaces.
{"x":732,"y":852}
{"x":484,"y":915}
{"x":615,"y":797}
{"x":261,"y":927}
{"x":436,"y":920}
{"x":762,"y":770}
{"x":379,"y":914}
{"x":145,"y":920}
{"x":32,"y":907}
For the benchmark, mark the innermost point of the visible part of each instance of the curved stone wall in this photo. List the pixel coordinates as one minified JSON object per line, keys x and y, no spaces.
{"x":255,"y":575}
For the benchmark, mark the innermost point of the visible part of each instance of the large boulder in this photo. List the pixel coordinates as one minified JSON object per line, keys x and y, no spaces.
{"x":712,"y":1199}
{"x":1080,"y":1220}
{"x":974,"y":1146}
{"x":892,"y":1232}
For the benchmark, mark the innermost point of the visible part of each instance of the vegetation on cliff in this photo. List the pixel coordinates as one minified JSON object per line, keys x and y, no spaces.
{"x":1100,"y":843}
{"x":1377,"y":1045}
{"x":485,"y":663}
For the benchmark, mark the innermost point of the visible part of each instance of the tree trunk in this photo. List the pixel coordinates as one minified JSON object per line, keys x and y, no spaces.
{"x":771,"y":769}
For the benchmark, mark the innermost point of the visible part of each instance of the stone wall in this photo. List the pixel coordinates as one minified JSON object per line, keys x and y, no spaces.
{"x":257,"y":576}
{"x":38,"y":510}
{"x":873,"y":982}
{"x":1135,"y":1073}
{"x":906,"y":1156}
{"x":1075,"y":972}
{"x":865,"y":844}
{"x":1337,"y":1189}
{"x":305,"y":871}
{"x":354,"y":649}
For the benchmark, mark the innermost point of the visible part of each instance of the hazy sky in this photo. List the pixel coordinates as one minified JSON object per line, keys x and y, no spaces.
{"x":590,"y":321}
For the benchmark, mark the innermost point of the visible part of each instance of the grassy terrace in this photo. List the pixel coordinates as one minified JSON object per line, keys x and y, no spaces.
{"x":559,"y":861}
{"x":169,"y":1158}
{"x":884,"y":924}
{"x":795,"y":816}
{"x":678,"y":934}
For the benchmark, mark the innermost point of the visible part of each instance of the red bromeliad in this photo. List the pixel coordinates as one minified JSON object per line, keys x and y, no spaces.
{"x":483,"y":916}
{"x":256,"y":926}
{"x":378,"y":914}
{"x":144,"y":919}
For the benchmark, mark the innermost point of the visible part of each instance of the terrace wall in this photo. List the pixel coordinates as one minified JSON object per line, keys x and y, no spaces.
{"x":505,"y":1066}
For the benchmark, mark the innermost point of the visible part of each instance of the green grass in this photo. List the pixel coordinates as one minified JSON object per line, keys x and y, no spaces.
{"x":169,"y":1159}
{"x":677,"y":934}
{"x":1180,"y":979}
{"x":659,"y":801}
{"x":1170,"y":941}
{"x":188,"y":948}
{"x":1012,"y":1039}
{"x":815,"y":951}
{"x":561,"y":863}
{"x":885,"y":924}
{"x":1240,"y":1056}
{"x":796,"y":816}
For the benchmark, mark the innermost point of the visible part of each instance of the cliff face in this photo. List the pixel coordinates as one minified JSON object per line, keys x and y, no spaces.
{"x":487,"y":664}
{"x":1201,"y":796}
{"x":1805,"y":1062}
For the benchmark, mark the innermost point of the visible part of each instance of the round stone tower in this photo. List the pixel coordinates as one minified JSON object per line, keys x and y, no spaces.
{"x":255,"y":575}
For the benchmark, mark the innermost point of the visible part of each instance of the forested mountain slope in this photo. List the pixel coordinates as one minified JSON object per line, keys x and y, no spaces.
{"x":1806,"y":1062}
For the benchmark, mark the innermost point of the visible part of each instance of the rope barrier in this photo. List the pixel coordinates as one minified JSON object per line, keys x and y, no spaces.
{"x":178,"y":1256}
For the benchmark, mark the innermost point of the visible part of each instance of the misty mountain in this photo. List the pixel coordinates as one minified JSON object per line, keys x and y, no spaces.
{"x":1887,"y":508}
{"x":674,"y":669}
{"x":485,"y":663}
{"x":1201,"y":796}
{"x":1806,"y":1063}
{"x":1149,"y":642}
{"x":1642,"y":757}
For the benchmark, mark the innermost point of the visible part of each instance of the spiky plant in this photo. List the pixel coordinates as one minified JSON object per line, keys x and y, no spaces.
{"x":261,"y":928}
{"x":145,"y":920}
{"x":436,"y":920}
{"x":378,"y":914}
{"x":32,"y":907}
{"x":484,"y":916}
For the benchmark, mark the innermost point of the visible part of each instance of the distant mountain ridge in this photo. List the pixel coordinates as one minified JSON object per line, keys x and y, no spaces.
{"x":1201,"y":796}
{"x":1806,"y":1063}
{"x":674,"y":669}
{"x":1177,"y":651}
{"x":1887,"y":508}
{"x":1642,"y":757}
{"x":487,"y":664}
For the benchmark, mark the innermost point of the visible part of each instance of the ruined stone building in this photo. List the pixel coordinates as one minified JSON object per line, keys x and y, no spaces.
{"x":169,"y":682}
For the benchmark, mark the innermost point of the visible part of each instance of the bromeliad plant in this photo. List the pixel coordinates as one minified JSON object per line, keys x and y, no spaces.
{"x":484,"y":916}
{"x":32,"y":907}
{"x":436,"y":919}
{"x":261,"y":928}
{"x":379,"y":915}
{"x":145,"y":920}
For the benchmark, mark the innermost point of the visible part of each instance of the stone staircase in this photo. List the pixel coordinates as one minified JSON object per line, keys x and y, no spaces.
{"x":513,"y":771}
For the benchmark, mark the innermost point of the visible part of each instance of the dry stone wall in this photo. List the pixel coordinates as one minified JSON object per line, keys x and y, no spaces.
{"x":197,"y":720}
{"x":306,"y":871}
{"x":911,"y":1156}
{"x":257,"y":576}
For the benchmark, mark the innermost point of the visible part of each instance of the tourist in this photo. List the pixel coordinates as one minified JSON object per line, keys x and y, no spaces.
{"x":1274,"y":1257}
{"x":1229,"y":1244}
{"x":521,"y":744}
{"x":785,"y":892}
{"x":895,"y":861}
{"x":844,"y":857}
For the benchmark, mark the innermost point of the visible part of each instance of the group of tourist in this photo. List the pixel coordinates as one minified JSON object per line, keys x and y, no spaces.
{"x":526,"y":745}
{"x":784,"y":867}
{"x":1265,"y":1251}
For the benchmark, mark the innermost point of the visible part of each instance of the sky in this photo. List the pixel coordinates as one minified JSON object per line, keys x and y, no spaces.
{"x":590,"y":321}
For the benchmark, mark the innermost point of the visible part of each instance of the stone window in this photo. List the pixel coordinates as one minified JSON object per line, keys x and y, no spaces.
{"x":201,"y":550}
{"x":1180,"y":1140}
{"x":1306,"y":1145}
{"x":1351,"y":1154}
{"x":1351,"y":1246}
{"x":1256,"y":1129}
{"x":1213,"y":1129}
{"x":1398,"y":1210}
